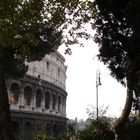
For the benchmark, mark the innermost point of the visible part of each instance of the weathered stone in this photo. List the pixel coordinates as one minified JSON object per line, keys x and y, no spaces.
{"x":38,"y":101}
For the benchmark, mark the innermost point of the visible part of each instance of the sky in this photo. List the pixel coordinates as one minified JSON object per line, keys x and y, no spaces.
{"x":81,"y":83}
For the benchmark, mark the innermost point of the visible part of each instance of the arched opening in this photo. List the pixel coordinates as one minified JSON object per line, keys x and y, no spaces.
{"x":15,"y":127}
{"x":14,"y":93}
{"x":40,"y":126}
{"x":27,"y":95}
{"x":54,"y":102}
{"x":38,"y":98}
{"x":59,"y":104}
{"x":28,"y":131}
{"x":47,"y":65}
{"x":55,"y":129}
{"x":28,"y":126}
{"x":48,"y":129}
{"x":47,"y":100}
{"x":58,"y":72}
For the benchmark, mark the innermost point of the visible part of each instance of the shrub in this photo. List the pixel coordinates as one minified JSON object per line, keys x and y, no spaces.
{"x":98,"y":130}
{"x":132,"y":129}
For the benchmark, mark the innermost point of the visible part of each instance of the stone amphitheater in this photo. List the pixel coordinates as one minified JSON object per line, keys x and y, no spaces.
{"x":38,"y":101}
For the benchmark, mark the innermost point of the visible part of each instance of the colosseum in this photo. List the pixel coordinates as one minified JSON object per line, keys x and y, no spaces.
{"x":38,"y":101}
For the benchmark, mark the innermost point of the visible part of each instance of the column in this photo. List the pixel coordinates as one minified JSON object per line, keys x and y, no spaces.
{"x":51,"y":102}
{"x":43,"y":101}
{"x":8,"y":91}
{"x":56,"y":105}
{"x":21,"y":98}
{"x":64,"y":110}
{"x":61,"y":106}
{"x":33,"y":102}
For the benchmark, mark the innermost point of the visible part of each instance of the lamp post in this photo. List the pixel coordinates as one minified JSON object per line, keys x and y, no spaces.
{"x":98,"y":83}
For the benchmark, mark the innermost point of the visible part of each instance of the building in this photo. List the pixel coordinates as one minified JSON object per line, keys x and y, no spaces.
{"x":38,"y":101}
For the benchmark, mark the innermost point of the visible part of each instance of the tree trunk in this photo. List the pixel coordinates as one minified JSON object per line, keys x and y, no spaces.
{"x":121,"y":121}
{"x":5,"y":118}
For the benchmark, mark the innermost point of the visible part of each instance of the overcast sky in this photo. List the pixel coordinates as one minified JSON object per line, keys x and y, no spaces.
{"x":81,"y":83}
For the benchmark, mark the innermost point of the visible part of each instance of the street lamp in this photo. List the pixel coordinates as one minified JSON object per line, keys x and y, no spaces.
{"x":98,"y":83}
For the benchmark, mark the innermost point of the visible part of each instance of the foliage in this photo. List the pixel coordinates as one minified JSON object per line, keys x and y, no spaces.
{"x":20,"y":20}
{"x":98,"y":130}
{"x":27,"y":134}
{"x":118,"y":38}
{"x":44,"y":137}
{"x":24,"y":36}
{"x":29,"y":29}
{"x":95,"y":130}
{"x":92,"y":112}
{"x":116,"y":23}
{"x":132,"y":129}
{"x":70,"y":16}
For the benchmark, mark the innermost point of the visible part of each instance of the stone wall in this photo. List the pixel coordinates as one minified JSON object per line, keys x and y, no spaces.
{"x":38,"y":101}
{"x":51,"y":69}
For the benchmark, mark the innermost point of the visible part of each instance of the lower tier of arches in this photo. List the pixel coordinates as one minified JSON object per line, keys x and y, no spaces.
{"x":29,"y":124}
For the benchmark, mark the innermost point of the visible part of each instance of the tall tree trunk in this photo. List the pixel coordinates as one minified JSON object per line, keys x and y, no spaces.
{"x":121,"y":121}
{"x":5,"y":118}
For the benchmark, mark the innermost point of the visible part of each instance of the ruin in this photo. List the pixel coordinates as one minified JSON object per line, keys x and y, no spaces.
{"x":38,"y":101}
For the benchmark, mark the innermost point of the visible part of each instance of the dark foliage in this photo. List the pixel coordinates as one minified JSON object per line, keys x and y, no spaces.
{"x":132,"y":129}
{"x":98,"y":130}
{"x":118,"y":36}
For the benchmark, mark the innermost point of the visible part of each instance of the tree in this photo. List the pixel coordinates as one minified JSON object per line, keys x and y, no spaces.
{"x":98,"y":129}
{"x":22,"y":37}
{"x":28,"y":30}
{"x":117,"y":26}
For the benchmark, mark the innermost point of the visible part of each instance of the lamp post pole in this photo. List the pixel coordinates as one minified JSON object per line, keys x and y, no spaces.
{"x":98,"y":83}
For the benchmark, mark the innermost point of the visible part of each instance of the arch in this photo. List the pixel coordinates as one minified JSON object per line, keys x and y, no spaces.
{"x":28,"y":126}
{"x":15,"y":127}
{"x":48,"y":129}
{"x":38,"y":98}
{"x":55,"y":129}
{"x":28,"y":131}
{"x":27,"y":95}
{"x":58,"y":72}
{"x":59,"y":103}
{"x":14,"y":93}
{"x":47,"y":65}
{"x":54,"y":102}
{"x":47,"y":100}
{"x":40,"y":126}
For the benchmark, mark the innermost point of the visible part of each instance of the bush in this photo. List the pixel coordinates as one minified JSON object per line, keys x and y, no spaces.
{"x":132,"y":129}
{"x":98,"y":130}
{"x":44,"y":137}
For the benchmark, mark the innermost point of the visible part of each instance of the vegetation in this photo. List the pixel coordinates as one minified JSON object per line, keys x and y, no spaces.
{"x":98,"y":130}
{"x":93,"y":130}
{"x":23,"y":36}
{"x":28,"y":30}
{"x":117,"y":26}
{"x":132,"y":128}
{"x":101,"y":129}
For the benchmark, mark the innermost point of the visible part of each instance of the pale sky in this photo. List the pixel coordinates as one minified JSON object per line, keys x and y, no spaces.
{"x":81,"y":83}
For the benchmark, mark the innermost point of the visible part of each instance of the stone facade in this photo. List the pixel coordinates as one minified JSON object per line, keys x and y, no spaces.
{"x":38,"y":101}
